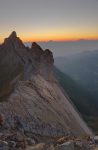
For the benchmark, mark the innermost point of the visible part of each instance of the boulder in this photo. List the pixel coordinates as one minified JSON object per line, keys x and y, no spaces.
{"x":3,"y":145}
{"x":81,"y":145}
{"x":96,"y":139}
{"x":40,"y":146}
{"x":12,"y":144}
{"x":66,"y":146}
{"x":30,"y":141}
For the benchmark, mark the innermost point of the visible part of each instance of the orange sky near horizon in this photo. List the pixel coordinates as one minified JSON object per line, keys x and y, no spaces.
{"x":69,"y":36}
{"x":61,"y":38}
{"x":49,"y":20}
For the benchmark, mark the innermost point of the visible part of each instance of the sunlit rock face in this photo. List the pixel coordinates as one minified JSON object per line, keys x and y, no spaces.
{"x":30,"y":92}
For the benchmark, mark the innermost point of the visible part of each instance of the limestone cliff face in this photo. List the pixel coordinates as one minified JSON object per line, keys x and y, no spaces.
{"x":30,"y":92}
{"x":46,"y":64}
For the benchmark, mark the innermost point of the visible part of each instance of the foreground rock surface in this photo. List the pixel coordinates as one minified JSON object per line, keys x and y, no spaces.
{"x":16,"y":140}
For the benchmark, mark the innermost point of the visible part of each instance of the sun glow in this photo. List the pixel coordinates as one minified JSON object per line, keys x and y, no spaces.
{"x":42,"y":38}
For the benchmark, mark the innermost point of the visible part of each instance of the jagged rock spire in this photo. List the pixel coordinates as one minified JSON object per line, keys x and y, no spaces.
{"x":41,"y":59}
{"x":36,"y":50}
{"x":13,"y":35}
{"x":13,"y":40}
{"x":35,"y":45}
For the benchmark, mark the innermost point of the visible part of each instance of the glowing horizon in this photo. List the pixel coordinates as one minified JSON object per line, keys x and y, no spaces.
{"x":46,"y":38}
{"x":46,"y":20}
{"x":55,"y":40}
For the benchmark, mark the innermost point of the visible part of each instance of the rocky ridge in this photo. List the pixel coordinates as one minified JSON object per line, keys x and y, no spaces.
{"x":31,"y":99}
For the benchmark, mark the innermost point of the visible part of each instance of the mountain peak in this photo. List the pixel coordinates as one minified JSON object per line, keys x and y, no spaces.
{"x":13,"y":40}
{"x":37,"y":51}
{"x":13,"y":35}
{"x":35,"y":46}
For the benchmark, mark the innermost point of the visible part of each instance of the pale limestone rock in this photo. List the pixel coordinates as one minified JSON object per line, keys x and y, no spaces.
{"x":66,"y":146}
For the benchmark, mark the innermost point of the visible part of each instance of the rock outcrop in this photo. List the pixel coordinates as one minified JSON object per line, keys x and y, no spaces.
{"x":30,"y":96}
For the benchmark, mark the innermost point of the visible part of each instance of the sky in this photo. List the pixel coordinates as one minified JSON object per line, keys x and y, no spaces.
{"x":45,"y":20}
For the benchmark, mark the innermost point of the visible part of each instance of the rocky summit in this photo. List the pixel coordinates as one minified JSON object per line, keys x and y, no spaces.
{"x":31,"y":99}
